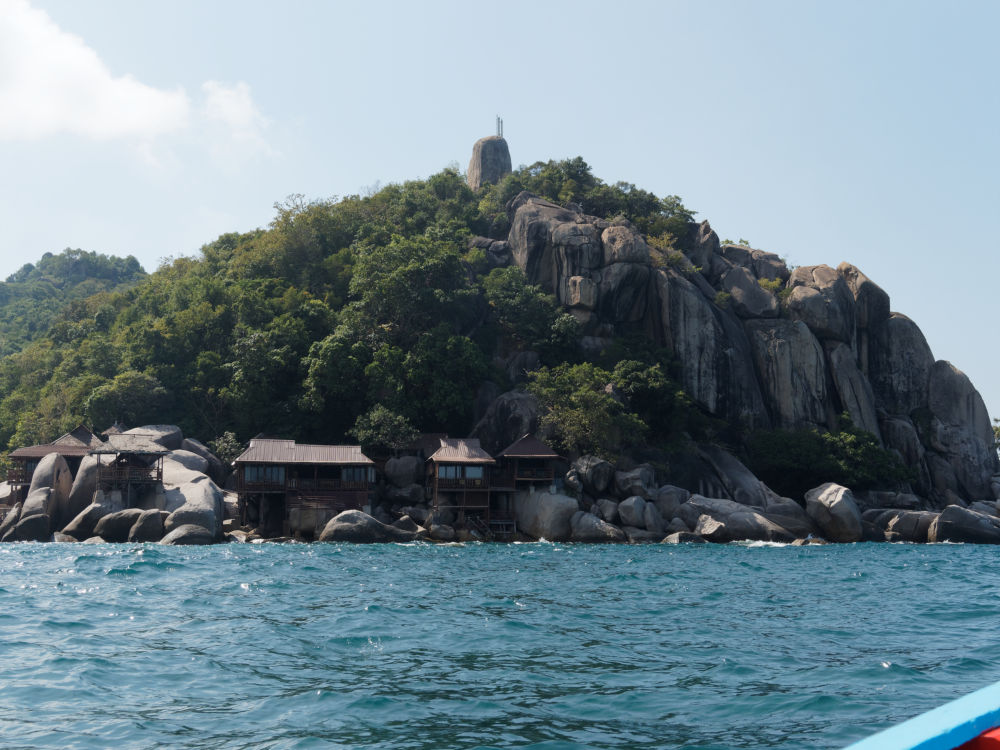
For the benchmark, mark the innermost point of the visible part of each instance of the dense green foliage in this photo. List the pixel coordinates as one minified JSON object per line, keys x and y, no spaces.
{"x":793,"y":462}
{"x":354,"y":316}
{"x":32,"y":299}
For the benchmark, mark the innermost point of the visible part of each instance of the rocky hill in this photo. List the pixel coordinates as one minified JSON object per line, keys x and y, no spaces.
{"x":762,"y":345}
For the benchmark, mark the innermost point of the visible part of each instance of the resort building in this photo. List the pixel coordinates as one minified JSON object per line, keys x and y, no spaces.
{"x":525,"y":465}
{"x":459,"y":480}
{"x":130,"y":468}
{"x":72,"y":446}
{"x":287,"y":488}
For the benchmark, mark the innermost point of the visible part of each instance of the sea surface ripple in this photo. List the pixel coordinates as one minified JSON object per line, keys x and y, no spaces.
{"x":486,"y":646}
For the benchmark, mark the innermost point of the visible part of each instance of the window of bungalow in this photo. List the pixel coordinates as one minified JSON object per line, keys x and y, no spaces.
{"x":473,"y":472}
{"x":262,"y":473}
{"x":357,"y":474}
{"x":447,"y":472}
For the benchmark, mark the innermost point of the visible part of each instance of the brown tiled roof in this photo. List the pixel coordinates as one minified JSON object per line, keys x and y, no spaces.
{"x":528,"y":447}
{"x":131,"y":443}
{"x":461,"y":451}
{"x":40,"y":451}
{"x":269,"y":451}
{"x":80,"y":436}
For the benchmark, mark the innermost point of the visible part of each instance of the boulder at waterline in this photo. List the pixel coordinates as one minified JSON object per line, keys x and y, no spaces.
{"x":33,"y":528}
{"x":720,"y":520}
{"x":545,"y":515}
{"x":189,"y":534}
{"x":115,"y":527}
{"x":148,"y":527}
{"x":441,"y":532}
{"x":632,"y":512}
{"x":356,"y":526}
{"x":832,"y":508}
{"x":63,"y":538}
{"x":684,"y":537}
{"x":10,"y":520}
{"x":957,"y":524}
{"x":608,"y":510}
{"x":668,"y":499}
{"x":586,"y":527}
{"x":906,"y":525}
{"x":82,"y":527}
{"x":636,"y":535}
{"x":53,"y":473}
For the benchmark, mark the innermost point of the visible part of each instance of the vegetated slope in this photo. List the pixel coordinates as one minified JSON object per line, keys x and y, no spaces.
{"x":370,"y":317}
{"x":32,"y":299}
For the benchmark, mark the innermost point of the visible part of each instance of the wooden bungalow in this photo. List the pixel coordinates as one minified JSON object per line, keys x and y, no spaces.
{"x":72,"y":446}
{"x":524,"y":465}
{"x":459,"y":481}
{"x":277,"y":480}
{"x":130,"y":464}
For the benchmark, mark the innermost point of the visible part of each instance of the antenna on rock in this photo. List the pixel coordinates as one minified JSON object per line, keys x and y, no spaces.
{"x":499,"y":127}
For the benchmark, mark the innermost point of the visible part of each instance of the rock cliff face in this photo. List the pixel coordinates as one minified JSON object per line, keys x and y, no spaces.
{"x":490,"y":162}
{"x":792,"y":352}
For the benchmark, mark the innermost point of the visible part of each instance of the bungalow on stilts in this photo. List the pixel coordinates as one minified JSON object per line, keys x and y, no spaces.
{"x":288,"y":489}
{"x":459,"y":481}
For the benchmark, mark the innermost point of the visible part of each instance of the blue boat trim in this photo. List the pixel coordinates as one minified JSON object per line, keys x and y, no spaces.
{"x":943,"y":728}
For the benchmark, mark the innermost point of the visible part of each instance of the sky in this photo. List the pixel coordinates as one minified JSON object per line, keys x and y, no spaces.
{"x":864,"y":132}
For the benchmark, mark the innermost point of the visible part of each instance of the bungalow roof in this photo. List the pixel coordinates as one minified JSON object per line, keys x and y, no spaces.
{"x":528,"y":447}
{"x":272,"y":451}
{"x":461,"y":451}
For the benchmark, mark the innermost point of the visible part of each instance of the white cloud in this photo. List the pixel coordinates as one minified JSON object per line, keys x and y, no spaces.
{"x":233,"y":123}
{"x":53,"y":83}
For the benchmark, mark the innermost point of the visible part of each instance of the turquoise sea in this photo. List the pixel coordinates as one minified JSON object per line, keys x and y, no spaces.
{"x":486,"y":646}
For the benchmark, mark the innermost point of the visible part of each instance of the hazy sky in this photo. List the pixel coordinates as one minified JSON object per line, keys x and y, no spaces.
{"x":825,"y":132}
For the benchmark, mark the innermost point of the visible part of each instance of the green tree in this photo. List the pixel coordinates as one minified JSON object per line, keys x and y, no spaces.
{"x":581,"y":410}
{"x":131,"y":397}
{"x":380,"y":430}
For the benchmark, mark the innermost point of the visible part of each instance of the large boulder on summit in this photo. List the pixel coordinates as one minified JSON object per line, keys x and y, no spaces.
{"x":53,"y":473}
{"x":792,"y":369}
{"x":511,"y":416}
{"x":167,"y":435}
{"x":357,"y":527}
{"x":833,"y":509}
{"x":821,"y":299}
{"x":957,"y":524}
{"x":962,"y":432}
{"x":871,"y":305}
{"x":586,"y":527}
{"x":490,"y":162}
{"x":544,"y":515}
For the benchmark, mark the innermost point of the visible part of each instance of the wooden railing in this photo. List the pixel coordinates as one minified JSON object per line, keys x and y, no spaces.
{"x":18,"y":474}
{"x":129,"y":474}
{"x":463,"y":484}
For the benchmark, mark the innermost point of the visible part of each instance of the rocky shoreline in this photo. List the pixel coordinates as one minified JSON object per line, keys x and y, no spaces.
{"x":594,"y":504}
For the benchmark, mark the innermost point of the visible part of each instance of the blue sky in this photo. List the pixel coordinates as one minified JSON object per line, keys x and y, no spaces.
{"x":825,"y":132}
